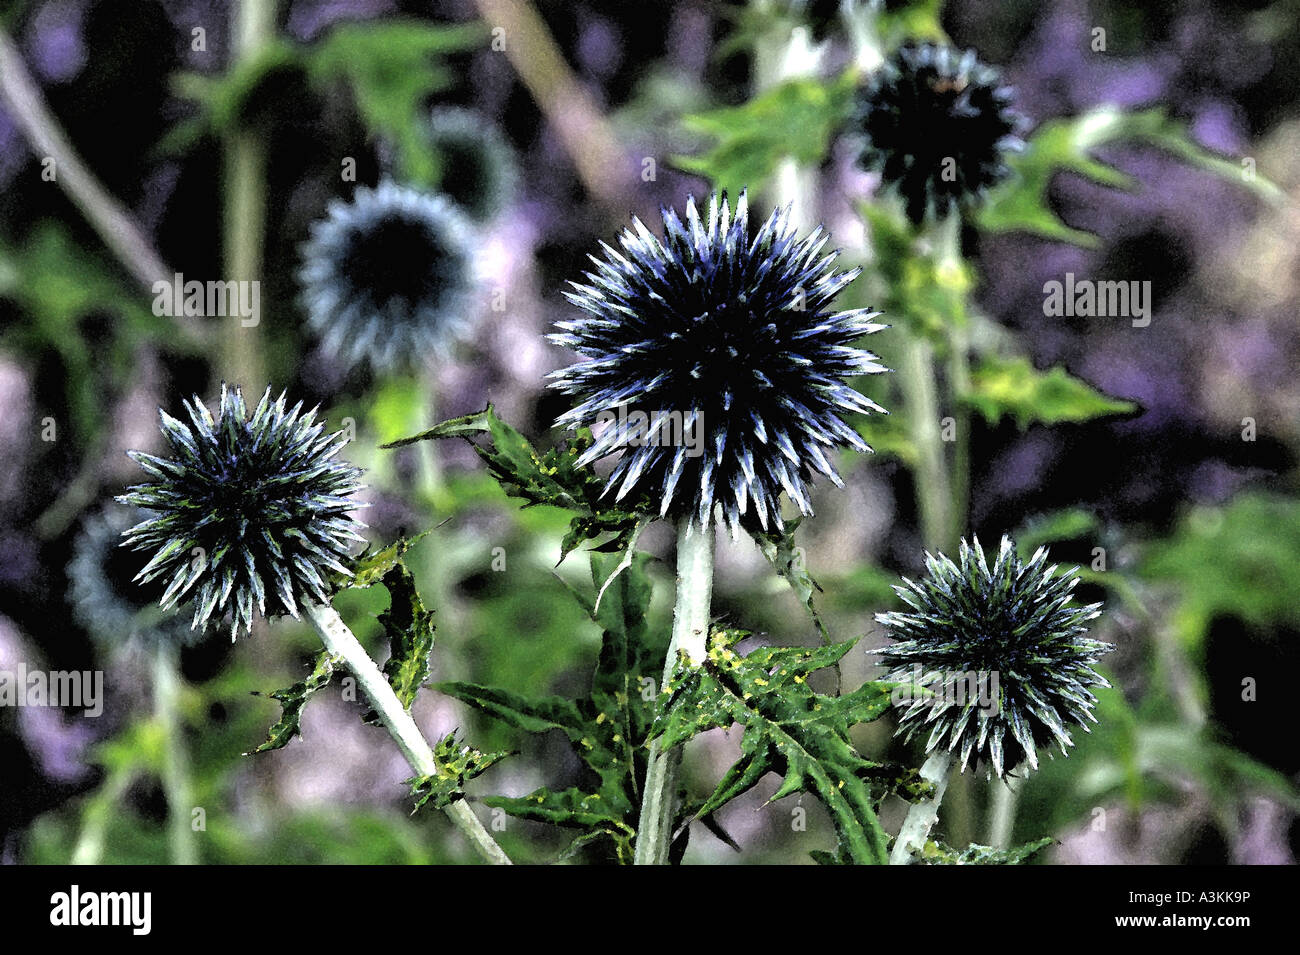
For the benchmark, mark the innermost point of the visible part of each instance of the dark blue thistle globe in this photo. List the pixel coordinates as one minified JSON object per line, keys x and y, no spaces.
{"x":1004,"y":652}
{"x":102,"y":592}
{"x":479,"y":171}
{"x":247,"y":512}
{"x":938,"y":125}
{"x":718,"y":362}
{"x":388,"y":278}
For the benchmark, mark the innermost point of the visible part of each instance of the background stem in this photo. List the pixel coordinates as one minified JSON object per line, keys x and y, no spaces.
{"x":1002,"y":815}
{"x":921,"y":817}
{"x":341,"y":642}
{"x":244,"y":217}
{"x":690,"y":636}
{"x":175,"y":761}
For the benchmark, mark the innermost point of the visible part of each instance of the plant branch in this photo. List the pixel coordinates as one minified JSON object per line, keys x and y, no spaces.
{"x":175,"y":762}
{"x":920,"y":818}
{"x":1002,"y":815}
{"x":341,"y":642}
{"x":690,"y":638}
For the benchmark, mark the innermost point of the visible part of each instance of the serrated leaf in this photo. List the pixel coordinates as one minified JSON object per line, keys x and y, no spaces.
{"x":788,"y":560}
{"x":605,"y":728}
{"x":458,"y":763}
{"x":410,"y":632}
{"x":371,"y":568}
{"x":550,"y":478}
{"x":794,"y":120}
{"x":1013,"y":387}
{"x":789,"y":729}
{"x":1020,"y":203}
{"x":936,"y":853}
{"x":294,"y":698}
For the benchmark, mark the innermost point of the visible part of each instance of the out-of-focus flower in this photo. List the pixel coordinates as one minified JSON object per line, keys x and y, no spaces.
{"x":479,"y":171}
{"x":938,"y":126}
{"x":388,"y":277}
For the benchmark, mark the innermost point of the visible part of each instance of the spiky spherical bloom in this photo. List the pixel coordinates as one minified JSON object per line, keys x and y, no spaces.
{"x":105,"y":599}
{"x":388,"y":277}
{"x":479,"y":171}
{"x":938,"y":125}
{"x":729,"y":346}
{"x":247,"y":511}
{"x":1015,"y":628}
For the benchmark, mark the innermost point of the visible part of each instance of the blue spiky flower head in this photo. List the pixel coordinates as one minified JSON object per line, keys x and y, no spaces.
{"x":388,"y":277}
{"x":105,"y":599}
{"x":938,"y":125}
{"x":479,"y":171}
{"x":249,"y":511}
{"x":729,"y":346}
{"x":1016,"y":620}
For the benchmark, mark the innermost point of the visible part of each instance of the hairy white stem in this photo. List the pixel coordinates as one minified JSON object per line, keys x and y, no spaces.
{"x":690,"y":637}
{"x":341,"y":642}
{"x":920,"y":818}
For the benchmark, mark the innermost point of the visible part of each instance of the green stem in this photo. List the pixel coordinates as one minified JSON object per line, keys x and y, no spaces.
{"x":690,"y":639}
{"x":175,"y":761}
{"x":89,"y":849}
{"x":1002,"y":814}
{"x":244,"y":215}
{"x":933,"y":489}
{"x":920,"y":818}
{"x":341,"y":642}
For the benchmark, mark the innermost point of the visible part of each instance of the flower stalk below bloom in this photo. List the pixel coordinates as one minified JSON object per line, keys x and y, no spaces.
{"x":341,"y":642}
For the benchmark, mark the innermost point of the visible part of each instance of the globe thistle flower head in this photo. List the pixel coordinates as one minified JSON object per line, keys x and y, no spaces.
{"x":102,"y":592}
{"x":725,"y":361}
{"x":938,"y":125}
{"x":388,"y":277}
{"x":248,"y":510}
{"x":1015,"y":628}
{"x":479,"y":172}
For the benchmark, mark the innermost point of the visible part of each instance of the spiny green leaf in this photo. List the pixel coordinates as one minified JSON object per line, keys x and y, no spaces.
{"x":789,"y":729}
{"x":794,"y":120}
{"x":1020,"y":203}
{"x":549,"y":478}
{"x":936,"y":853}
{"x":409,"y":628}
{"x":294,"y":698}
{"x":1013,"y":387}
{"x":788,"y":561}
{"x":458,"y":763}
{"x":371,"y":568}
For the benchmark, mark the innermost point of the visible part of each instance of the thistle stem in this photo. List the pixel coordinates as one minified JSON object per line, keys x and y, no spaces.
{"x":690,"y":638}
{"x":1002,"y":815}
{"x":89,"y":849}
{"x":341,"y":642}
{"x":175,"y":762}
{"x":933,"y":488}
{"x":921,"y":817}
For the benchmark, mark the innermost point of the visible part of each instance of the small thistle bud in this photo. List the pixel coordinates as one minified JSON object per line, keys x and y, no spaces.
{"x":1015,"y":621}
{"x":246,"y":511}
{"x":388,"y":277}
{"x":105,"y":599}
{"x":728,"y":359}
{"x":937,"y":126}
{"x":479,"y":172}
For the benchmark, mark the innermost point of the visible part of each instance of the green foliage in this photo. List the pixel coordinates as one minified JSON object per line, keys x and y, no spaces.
{"x":788,"y":560}
{"x":1242,"y":560}
{"x":391,"y":68}
{"x":458,"y":763}
{"x":789,"y":729}
{"x":1066,"y":145}
{"x":294,"y":698}
{"x":605,"y":728}
{"x":936,"y":853}
{"x":795,"y":120}
{"x":409,"y":629}
{"x":551,"y":478}
{"x":1013,"y":387}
